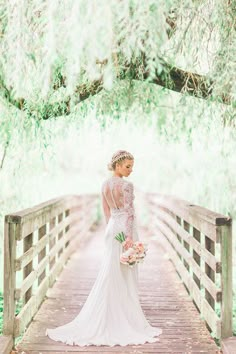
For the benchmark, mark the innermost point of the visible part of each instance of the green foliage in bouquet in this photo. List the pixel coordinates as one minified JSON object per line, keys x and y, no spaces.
{"x":120,"y":237}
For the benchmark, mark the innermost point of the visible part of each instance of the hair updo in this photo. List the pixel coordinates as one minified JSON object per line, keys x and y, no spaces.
{"x":117,"y":157}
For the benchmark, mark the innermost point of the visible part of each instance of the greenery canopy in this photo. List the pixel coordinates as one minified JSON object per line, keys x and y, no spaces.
{"x":59,"y":52}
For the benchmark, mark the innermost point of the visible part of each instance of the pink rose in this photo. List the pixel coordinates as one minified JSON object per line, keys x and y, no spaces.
{"x":139,"y":247}
{"x":124,"y":259}
{"x":129,"y":252}
{"x":132,"y":258}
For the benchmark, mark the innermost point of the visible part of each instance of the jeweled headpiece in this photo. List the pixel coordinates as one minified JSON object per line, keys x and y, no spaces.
{"x":121,"y":154}
{"x":118,"y":156}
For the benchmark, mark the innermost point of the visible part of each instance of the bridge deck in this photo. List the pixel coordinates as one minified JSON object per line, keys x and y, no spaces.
{"x":163,"y":297}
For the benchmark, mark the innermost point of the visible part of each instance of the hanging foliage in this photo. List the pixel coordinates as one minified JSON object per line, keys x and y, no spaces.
{"x":57,"y":53}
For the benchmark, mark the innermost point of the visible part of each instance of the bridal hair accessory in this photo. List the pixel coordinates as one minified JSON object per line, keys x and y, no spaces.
{"x":119,"y":156}
{"x":134,"y":252}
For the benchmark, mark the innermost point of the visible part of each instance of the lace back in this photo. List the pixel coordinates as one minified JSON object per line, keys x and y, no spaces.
{"x":118,"y":194}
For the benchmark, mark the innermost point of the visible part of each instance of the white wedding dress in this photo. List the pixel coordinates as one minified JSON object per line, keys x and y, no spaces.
{"x":112,"y":314}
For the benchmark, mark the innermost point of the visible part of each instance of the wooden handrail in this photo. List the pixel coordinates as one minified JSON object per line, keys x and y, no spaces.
{"x":37,"y":242}
{"x":199,"y":242}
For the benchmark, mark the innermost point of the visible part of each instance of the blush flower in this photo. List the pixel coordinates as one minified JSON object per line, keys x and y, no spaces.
{"x":133,"y":252}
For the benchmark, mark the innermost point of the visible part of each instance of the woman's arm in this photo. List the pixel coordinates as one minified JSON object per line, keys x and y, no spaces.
{"x":106,"y":208}
{"x":128,"y":203}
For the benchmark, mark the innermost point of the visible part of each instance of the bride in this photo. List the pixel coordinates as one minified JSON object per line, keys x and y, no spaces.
{"x":112,"y":314}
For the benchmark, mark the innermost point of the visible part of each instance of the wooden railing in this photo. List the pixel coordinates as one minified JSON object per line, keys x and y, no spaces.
{"x":37,"y":243}
{"x":199,"y":243}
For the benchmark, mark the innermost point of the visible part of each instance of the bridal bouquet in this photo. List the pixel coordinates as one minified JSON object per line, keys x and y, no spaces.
{"x":134,"y":252}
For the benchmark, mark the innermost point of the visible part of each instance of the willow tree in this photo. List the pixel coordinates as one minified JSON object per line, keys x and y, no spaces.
{"x":55,"y":53}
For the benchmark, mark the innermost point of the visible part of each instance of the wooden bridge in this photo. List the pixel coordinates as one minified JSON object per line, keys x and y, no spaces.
{"x":52,"y":254}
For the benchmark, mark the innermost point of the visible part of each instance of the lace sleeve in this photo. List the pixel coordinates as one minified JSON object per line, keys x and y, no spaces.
{"x":128,"y":204}
{"x":106,"y":208}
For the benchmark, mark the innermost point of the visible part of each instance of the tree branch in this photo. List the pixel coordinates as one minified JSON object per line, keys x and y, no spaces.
{"x":7,"y":95}
{"x":4,"y":154}
{"x":172,"y":78}
{"x":171,"y":19}
{"x":177,"y":80}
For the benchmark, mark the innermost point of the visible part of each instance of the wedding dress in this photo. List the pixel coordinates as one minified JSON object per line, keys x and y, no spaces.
{"x":112,"y":314}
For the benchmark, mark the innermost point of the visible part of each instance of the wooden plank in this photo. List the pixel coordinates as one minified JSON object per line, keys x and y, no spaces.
{"x":91,"y":350}
{"x":32,"y":219}
{"x":40,"y":209}
{"x":197,"y":255}
{"x":41,"y":219}
{"x":163,"y":349}
{"x":206,"y":225}
{"x":29,"y":255}
{"x":42,"y":254}
{"x":6,"y":344}
{"x":10,"y":235}
{"x":184,"y":275}
{"x":29,"y":310}
{"x":27,"y":275}
{"x":211,"y":318}
{"x":60,"y":235}
{"x":52,"y":223}
{"x":187,"y":210}
{"x":67,"y":253}
{"x":28,"y":282}
{"x":207,"y":228}
{"x":186,"y":244}
{"x":227,"y":281}
{"x":210,"y":246}
{"x":66,"y":239}
{"x":229,"y":345}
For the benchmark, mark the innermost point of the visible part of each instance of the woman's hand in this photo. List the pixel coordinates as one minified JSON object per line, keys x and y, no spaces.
{"x":128,"y":243}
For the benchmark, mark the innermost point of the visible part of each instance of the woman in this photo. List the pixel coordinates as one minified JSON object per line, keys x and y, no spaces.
{"x":112,"y":314}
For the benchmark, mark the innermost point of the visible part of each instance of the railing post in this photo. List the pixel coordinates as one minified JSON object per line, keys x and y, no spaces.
{"x":226,"y":281}
{"x":10,"y":236}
